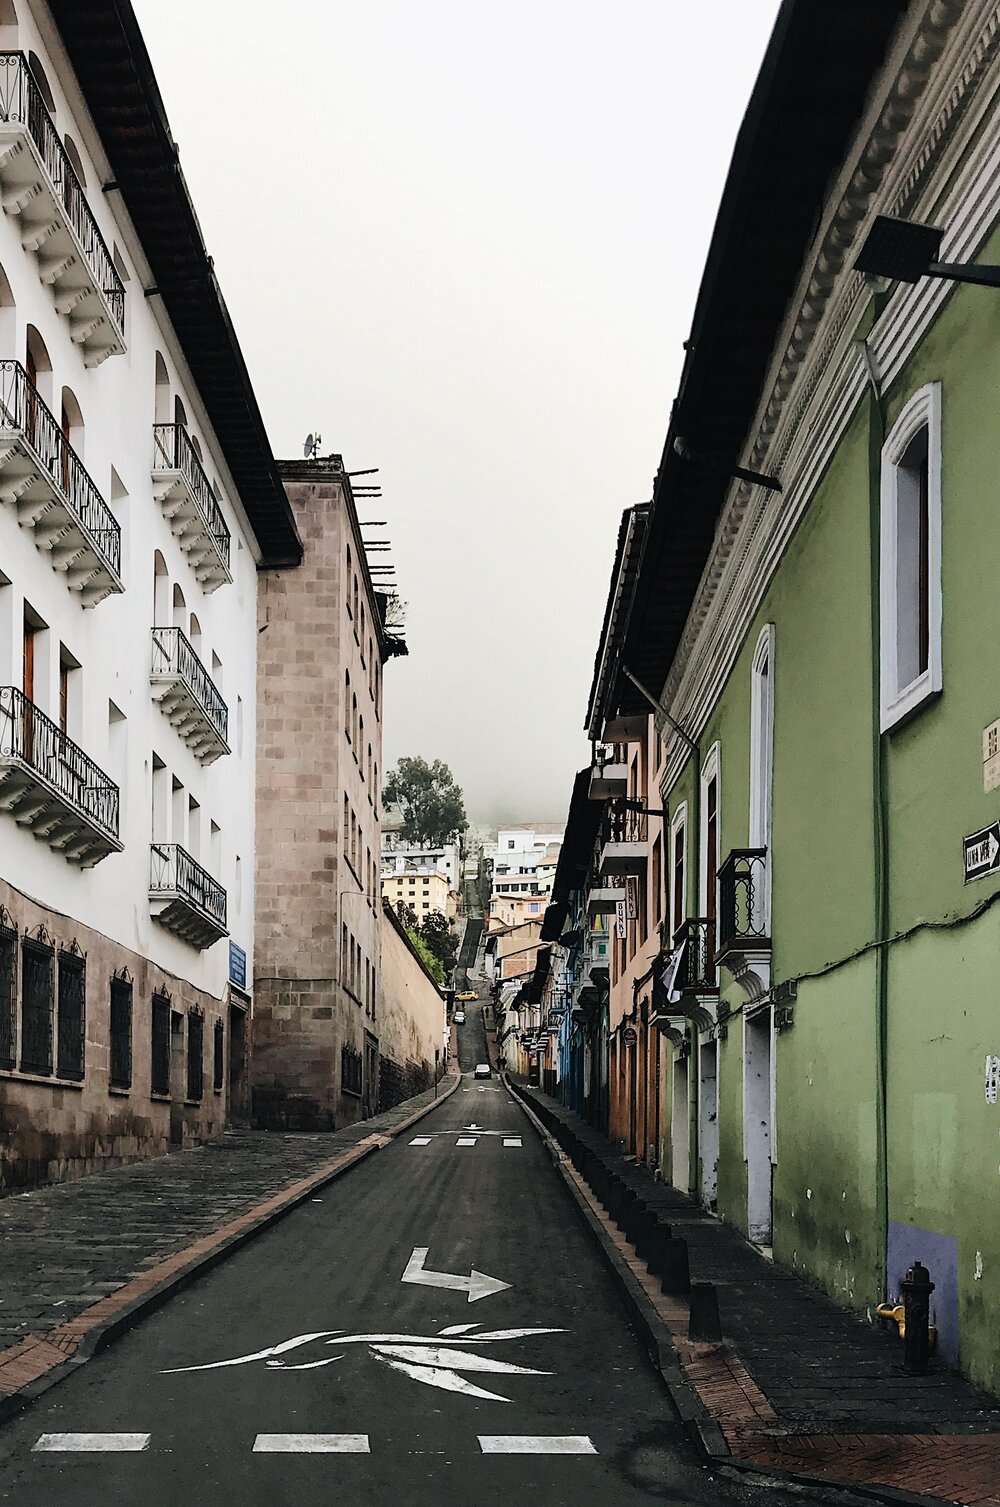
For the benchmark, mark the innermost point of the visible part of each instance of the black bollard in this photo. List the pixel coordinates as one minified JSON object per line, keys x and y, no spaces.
{"x":658,"y":1237}
{"x":616,"y":1192}
{"x":633,"y":1214}
{"x":675,"y":1272}
{"x":704,"y":1323}
{"x":917,"y":1288}
{"x":642,"y":1228}
{"x":625,"y":1203}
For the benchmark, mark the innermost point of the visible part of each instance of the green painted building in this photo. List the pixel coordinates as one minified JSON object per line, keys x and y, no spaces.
{"x":827,"y":670}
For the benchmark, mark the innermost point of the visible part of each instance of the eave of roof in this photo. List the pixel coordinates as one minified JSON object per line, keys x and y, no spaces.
{"x":792,"y":141}
{"x":624,"y":572}
{"x":108,"y":54}
{"x":582,"y":824}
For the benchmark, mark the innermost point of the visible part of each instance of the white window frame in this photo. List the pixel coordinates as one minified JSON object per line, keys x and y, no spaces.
{"x":922,"y":409}
{"x":678,"y":822}
{"x":710,"y":769}
{"x":762,"y":757}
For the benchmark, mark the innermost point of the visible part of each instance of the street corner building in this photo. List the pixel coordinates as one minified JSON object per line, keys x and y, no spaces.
{"x":795,"y":711}
{"x":340,"y":1030}
{"x":138,"y":497}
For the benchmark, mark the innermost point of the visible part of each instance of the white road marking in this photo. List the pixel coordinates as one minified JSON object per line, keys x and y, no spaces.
{"x":466,"y":1140}
{"x":103,"y":1443}
{"x":477,"y":1285}
{"x":512,"y":1140}
{"x":421,"y":1140}
{"x":536,"y":1444}
{"x":311,"y":1444}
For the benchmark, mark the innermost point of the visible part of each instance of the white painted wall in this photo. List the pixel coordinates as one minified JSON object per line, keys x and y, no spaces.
{"x":112,"y":640}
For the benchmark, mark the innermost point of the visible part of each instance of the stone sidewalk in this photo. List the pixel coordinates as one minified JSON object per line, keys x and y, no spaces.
{"x":78,"y":1258}
{"x":800,"y":1384}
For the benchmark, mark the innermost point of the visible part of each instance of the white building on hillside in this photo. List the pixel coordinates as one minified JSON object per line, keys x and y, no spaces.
{"x":138,"y":496}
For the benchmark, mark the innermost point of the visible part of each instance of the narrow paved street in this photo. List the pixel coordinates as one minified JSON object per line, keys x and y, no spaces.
{"x":325,"y":1376}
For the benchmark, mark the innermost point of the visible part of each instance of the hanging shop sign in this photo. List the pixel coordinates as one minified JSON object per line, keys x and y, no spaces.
{"x":632,"y":897}
{"x":621,"y":919}
{"x":630,"y":1036}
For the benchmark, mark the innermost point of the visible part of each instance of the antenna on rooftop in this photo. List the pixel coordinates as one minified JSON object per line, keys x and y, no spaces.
{"x":310,"y":449}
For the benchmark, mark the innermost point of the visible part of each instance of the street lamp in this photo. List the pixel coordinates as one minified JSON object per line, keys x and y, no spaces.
{"x":906,"y":251}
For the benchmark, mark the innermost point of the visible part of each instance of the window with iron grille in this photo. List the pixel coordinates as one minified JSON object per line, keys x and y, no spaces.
{"x":350,"y":1070}
{"x":37,"y":977}
{"x":219,"y":1059}
{"x":71,"y":1013}
{"x":159,"y":1080}
{"x":8,"y":989}
{"x":195,"y":1071}
{"x":121,"y":1030}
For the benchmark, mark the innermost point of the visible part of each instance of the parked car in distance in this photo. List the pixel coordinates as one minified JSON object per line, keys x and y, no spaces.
{"x":466,"y":995}
{"x":483,"y":1070}
{"x":459,"y":1017}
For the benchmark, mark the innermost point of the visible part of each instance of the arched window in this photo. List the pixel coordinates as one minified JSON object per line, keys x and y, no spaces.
{"x":370,"y":769}
{"x":361,"y":744}
{"x":180,"y":609}
{"x":355,"y":602}
{"x":196,"y":447}
{"x":677,"y":882}
{"x":161,"y":592}
{"x":354,"y":717}
{"x":347,"y":704}
{"x":71,"y":420}
{"x":363,"y":626}
{"x":73,"y":153}
{"x":180,"y":413}
{"x":161,"y":392}
{"x":38,"y":74}
{"x":194,"y":634}
{"x":37,"y":363}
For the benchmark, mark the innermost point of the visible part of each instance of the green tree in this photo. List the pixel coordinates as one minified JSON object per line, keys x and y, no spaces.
{"x":407,"y":915}
{"x":440,"y":939}
{"x":430,"y":800}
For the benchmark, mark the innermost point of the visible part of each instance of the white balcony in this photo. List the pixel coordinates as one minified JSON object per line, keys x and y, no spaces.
{"x":624,"y":846}
{"x":50,"y":786}
{"x":602,"y":901}
{"x":188,"y":697}
{"x":184,"y":492}
{"x":40,"y":189}
{"x":42,"y":475}
{"x":608,"y":781}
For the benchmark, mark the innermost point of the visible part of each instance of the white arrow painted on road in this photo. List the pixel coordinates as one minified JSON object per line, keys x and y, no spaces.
{"x":478,"y":1285}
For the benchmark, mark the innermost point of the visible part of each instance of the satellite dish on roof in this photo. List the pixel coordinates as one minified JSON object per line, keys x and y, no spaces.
{"x":311,"y":446}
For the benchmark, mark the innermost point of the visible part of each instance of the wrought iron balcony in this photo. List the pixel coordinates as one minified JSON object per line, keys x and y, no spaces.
{"x":697,"y":972}
{"x":188,"y":696}
{"x":184,"y":492}
{"x":184,"y":897}
{"x":744,"y":924}
{"x":42,"y":475}
{"x":624,"y":845}
{"x":608,"y":776}
{"x":601,"y":901}
{"x":50,"y":786}
{"x":40,"y":188}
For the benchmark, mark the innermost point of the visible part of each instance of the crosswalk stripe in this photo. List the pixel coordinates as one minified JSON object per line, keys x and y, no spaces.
{"x":466,"y":1140}
{"x":512,"y":1140}
{"x":311,"y":1444}
{"x":421,"y":1140}
{"x":536,"y":1444}
{"x":104,"y":1443}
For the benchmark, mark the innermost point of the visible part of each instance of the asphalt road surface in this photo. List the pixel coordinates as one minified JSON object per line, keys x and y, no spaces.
{"x":327,"y":1378}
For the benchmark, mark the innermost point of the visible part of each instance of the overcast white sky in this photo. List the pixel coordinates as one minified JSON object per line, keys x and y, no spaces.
{"x":463,"y":241}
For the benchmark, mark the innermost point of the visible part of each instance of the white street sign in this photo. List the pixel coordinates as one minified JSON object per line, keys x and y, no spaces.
{"x":478,"y":1285}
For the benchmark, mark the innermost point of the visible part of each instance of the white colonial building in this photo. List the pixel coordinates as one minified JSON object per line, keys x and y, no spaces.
{"x":138,"y":496}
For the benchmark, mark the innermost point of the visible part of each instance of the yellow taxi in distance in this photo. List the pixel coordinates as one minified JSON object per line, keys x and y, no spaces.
{"x":467,"y":995}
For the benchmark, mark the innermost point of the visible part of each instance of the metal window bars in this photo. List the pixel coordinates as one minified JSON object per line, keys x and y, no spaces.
{"x":22,"y":408}
{"x":37,"y":980}
{"x":8,"y":991}
{"x":195,"y":1054}
{"x":350,"y":1069}
{"x":28,"y":734}
{"x":120,"y":1073}
{"x":71,"y":1013}
{"x":624,"y":824}
{"x":697,"y":972}
{"x":173,"y":451}
{"x":743,"y":897}
{"x":21,"y":102}
{"x":159,"y":1078}
{"x":173,"y":654}
{"x":174,"y":871}
{"x":219,"y":1057}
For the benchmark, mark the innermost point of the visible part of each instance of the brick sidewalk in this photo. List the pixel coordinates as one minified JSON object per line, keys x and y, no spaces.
{"x":802,"y":1384}
{"x":77,"y":1257}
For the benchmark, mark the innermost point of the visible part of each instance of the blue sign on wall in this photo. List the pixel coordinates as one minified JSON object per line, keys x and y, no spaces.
{"x":237,"y":966}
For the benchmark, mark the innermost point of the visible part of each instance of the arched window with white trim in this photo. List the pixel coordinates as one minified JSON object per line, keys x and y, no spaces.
{"x":678,"y":868}
{"x":762,"y":762}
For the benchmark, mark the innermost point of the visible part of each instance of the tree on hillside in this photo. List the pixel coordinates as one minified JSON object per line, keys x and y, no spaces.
{"x":440,"y":939}
{"x":430,"y":800}
{"x":407,"y":916}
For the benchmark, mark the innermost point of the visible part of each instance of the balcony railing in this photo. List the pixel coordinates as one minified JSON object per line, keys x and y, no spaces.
{"x":50,"y":785}
{"x":697,"y":972}
{"x":743,"y":902}
{"x":184,"y":897}
{"x":188,"y":694}
{"x":40,"y":470}
{"x":187,"y":498}
{"x":624,"y":848}
{"x":56,"y":219}
{"x":625,"y":824}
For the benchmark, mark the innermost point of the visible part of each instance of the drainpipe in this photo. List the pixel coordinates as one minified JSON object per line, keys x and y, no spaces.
{"x":880,"y":833}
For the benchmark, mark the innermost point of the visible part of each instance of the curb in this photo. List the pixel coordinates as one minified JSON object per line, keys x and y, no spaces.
{"x":703,"y":1431}
{"x":95,"y":1337}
